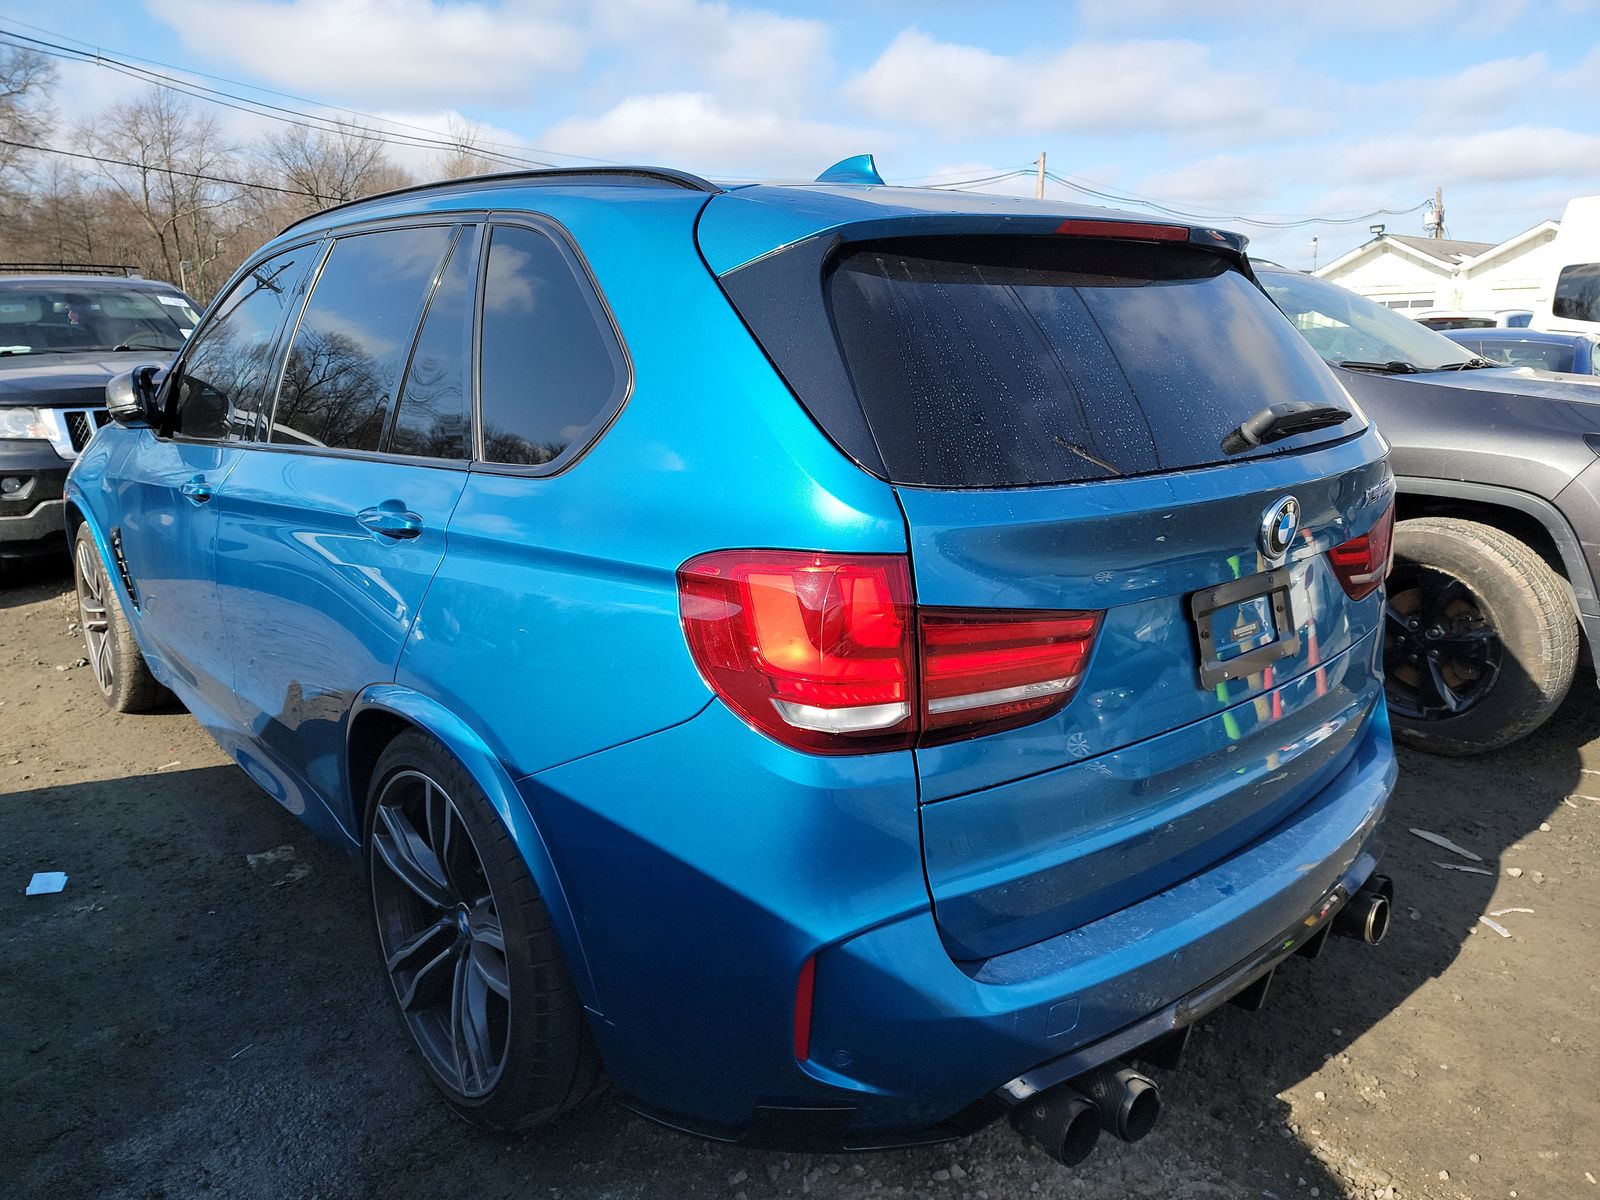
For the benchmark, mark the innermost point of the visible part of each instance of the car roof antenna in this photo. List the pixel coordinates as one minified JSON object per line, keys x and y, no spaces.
{"x":858,"y":169}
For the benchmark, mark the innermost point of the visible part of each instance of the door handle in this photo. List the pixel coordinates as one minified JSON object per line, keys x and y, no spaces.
{"x":196,"y":490}
{"x":391,"y":520}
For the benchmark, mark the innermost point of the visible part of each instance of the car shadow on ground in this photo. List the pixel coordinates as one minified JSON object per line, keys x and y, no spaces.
{"x":203,"y":1009}
{"x":29,"y":580}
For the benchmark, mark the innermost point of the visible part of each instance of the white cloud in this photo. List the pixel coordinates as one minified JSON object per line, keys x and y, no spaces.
{"x":1106,"y":87}
{"x":1235,"y":183}
{"x":380,"y":51}
{"x":1522,"y":154}
{"x":763,"y":57}
{"x":693,"y":130}
{"x":1375,"y":15}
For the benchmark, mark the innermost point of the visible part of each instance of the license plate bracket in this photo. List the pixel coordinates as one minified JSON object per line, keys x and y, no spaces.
{"x":1244,"y":625}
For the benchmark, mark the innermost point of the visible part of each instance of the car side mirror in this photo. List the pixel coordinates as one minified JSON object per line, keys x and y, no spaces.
{"x":131,"y":396}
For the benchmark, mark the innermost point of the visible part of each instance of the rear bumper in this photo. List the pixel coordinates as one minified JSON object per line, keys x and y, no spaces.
{"x":1094,"y":993}
{"x":705,"y":864}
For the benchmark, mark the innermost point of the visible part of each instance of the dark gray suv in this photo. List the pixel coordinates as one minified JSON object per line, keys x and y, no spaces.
{"x":1497,"y":540}
{"x":61,"y":338}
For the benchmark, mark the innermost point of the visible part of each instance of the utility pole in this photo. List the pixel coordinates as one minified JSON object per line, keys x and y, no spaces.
{"x":1438,"y":212}
{"x":1038,"y":190}
{"x":1314,"y":253}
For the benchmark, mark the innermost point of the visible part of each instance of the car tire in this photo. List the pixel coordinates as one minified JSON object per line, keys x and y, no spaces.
{"x":506,"y":1060}
{"x":115,"y":663}
{"x":1481,"y":637}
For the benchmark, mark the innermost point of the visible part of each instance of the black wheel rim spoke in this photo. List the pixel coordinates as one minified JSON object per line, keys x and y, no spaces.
{"x":1474,"y":646}
{"x":410,"y":858}
{"x":1438,"y":690}
{"x":421,"y":948}
{"x":491,"y":967}
{"x":442,"y":939}
{"x":1441,"y":653}
{"x":427,"y":974}
{"x":469,"y":1023}
{"x":1396,"y":620}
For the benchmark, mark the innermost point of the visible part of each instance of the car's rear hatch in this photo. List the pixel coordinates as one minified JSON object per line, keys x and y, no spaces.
{"x":1052,"y":410}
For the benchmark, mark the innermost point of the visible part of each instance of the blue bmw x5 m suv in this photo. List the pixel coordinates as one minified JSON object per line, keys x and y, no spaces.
{"x":851,"y":662}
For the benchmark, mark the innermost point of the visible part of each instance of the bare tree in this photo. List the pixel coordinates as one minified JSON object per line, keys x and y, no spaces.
{"x":328,"y":167}
{"x":175,"y":183}
{"x":26,"y":78}
{"x":465,"y":156}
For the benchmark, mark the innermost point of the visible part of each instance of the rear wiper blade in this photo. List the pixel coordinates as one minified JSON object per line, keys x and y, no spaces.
{"x":1281,"y":421}
{"x":1395,"y":366}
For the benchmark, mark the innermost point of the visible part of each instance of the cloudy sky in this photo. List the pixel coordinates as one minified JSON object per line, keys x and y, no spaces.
{"x":1236,"y":108}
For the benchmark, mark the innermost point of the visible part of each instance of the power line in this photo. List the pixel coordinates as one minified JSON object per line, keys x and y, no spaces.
{"x":962,"y":184}
{"x":255,"y":107}
{"x":92,"y":52}
{"x":122,"y":162}
{"x":1233,"y":218}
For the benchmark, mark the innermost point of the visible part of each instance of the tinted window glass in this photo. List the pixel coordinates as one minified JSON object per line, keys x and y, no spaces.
{"x":347,"y":354}
{"x":1578,"y":293}
{"x":1005,"y":361}
{"x":435,"y":415}
{"x":228,"y":370}
{"x":1343,"y":327}
{"x":86,"y":315}
{"x":1546,"y":356}
{"x":552,"y":372}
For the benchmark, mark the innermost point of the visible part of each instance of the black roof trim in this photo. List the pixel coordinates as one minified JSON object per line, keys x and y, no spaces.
{"x":615,"y":176}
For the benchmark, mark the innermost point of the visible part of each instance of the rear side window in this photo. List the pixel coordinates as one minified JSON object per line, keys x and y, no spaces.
{"x":228,"y":369}
{"x":345,"y":361}
{"x":1546,"y":356}
{"x":992,"y":362}
{"x":552,"y":373}
{"x":434,"y":419}
{"x":1577,"y":295}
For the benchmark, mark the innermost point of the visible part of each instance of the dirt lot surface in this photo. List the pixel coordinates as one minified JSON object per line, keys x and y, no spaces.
{"x":190,"y":1018}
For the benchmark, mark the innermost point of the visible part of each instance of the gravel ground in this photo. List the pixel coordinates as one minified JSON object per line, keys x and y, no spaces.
{"x":200,"y":1012}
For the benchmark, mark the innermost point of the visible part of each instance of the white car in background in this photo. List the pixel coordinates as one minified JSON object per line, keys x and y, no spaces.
{"x":1445,"y":319}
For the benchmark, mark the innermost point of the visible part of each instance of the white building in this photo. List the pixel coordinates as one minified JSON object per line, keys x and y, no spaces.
{"x":1416,"y":273}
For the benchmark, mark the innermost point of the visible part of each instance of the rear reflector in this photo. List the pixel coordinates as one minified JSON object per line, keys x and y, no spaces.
{"x":826,"y":652}
{"x":1138,"y":231}
{"x":804,"y":993}
{"x":1362,"y":563}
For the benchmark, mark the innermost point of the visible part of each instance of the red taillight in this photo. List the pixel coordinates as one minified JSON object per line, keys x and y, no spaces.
{"x":1362,"y":562}
{"x":1138,"y":231}
{"x":983,"y":671}
{"x":814,"y":649}
{"x":820,"y":651}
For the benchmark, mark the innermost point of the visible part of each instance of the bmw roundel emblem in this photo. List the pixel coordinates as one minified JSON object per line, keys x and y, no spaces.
{"x":1279,"y":524}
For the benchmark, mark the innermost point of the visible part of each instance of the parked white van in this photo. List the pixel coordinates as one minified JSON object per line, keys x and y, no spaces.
{"x":1574,"y":304}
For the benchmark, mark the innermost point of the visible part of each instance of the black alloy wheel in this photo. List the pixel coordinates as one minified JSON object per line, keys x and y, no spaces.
{"x":1480,"y":636}
{"x":1441,"y":654}
{"x":120,"y":672}
{"x":94,"y":617}
{"x":440,"y":933}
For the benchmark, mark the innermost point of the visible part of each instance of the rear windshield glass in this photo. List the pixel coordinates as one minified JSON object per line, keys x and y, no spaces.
{"x":993,"y":362}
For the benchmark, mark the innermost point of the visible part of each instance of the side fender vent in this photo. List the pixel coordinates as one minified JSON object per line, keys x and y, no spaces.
{"x":122,"y":565}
